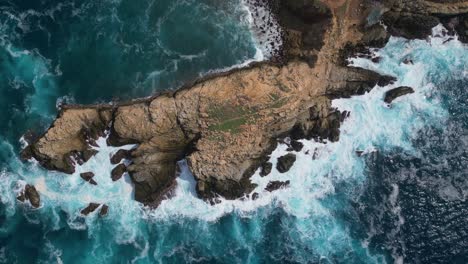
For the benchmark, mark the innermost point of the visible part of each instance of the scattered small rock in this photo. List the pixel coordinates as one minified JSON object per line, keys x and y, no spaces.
{"x":118,"y":171}
{"x":397,"y":92}
{"x":296,"y":145}
{"x":344,"y":115}
{"x":285,"y":162}
{"x":120,"y":155}
{"x":266,"y":169}
{"x":88,"y":176}
{"x":359,"y":153}
{"x":376,"y":59}
{"x":408,"y":61}
{"x":275,"y":185}
{"x":255,"y":196}
{"x":104,"y":210}
{"x":30,"y":194}
{"x":90,"y":208}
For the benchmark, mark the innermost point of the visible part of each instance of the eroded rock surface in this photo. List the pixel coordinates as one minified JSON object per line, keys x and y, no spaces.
{"x":226,"y":125}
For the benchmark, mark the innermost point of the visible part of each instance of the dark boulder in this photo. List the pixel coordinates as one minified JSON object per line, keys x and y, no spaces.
{"x":104,"y":210}
{"x":296,"y":145}
{"x":266,"y":169}
{"x":457,"y":24}
{"x":255,"y":196}
{"x":276,"y":185}
{"x":88,"y":176}
{"x":88,"y":154}
{"x":118,"y":171}
{"x":120,"y":155}
{"x":397,"y":92}
{"x":408,"y":25}
{"x":90,"y":208}
{"x":32,"y":195}
{"x":285,"y":162}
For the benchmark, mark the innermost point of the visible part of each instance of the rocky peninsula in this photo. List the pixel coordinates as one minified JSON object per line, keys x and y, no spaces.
{"x":227,"y":124}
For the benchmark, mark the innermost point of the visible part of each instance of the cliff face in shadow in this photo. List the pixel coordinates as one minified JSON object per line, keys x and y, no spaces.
{"x":226,"y":124}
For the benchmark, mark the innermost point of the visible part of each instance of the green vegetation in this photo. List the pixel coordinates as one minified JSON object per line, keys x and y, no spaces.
{"x":230,"y":118}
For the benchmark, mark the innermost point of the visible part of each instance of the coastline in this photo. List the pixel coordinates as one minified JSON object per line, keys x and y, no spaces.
{"x":306,"y":113}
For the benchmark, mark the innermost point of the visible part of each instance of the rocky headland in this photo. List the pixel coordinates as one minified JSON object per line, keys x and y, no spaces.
{"x":227,"y":124}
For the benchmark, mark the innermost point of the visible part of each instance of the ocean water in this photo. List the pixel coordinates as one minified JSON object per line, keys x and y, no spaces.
{"x":402,"y":201}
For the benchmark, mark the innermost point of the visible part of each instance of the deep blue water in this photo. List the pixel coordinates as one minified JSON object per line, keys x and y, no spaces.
{"x":403,"y":201}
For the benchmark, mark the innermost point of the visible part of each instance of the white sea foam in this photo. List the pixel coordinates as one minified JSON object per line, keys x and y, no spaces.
{"x":319,"y":169}
{"x":265,"y":28}
{"x":372,"y":126}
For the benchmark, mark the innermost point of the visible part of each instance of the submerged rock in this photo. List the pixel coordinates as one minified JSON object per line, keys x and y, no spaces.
{"x":397,"y":92}
{"x":285,"y":162}
{"x":276,"y":185}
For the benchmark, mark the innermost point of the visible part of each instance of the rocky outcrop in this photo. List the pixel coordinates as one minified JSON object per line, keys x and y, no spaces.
{"x":30,"y":194}
{"x":285,"y":162}
{"x":415,"y":18}
{"x":227,"y":124}
{"x":397,"y":92}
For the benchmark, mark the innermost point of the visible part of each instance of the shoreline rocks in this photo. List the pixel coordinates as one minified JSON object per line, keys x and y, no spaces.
{"x":276,"y":185}
{"x":88,"y":176}
{"x":118,"y":172}
{"x":397,"y":92}
{"x":285,"y":162}
{"x":226,"y":124}
{"x":120,"y":155}
{"x":30,"y":194}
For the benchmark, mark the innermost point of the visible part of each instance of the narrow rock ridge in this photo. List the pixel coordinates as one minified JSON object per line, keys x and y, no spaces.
{"x":227,"y":124}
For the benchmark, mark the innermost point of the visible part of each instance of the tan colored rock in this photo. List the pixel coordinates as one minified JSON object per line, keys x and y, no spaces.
{"x":226,"y":124}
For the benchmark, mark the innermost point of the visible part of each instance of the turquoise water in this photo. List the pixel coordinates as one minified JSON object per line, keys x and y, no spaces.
{"x":340,"y":208}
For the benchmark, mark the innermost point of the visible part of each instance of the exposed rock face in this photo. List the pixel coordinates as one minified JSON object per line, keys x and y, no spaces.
{"x":415,"y":18}
{"x":226,"y":124}
{"x":397,"y":92}
{"x":30,"y":194}
{"x":285,"y":162}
